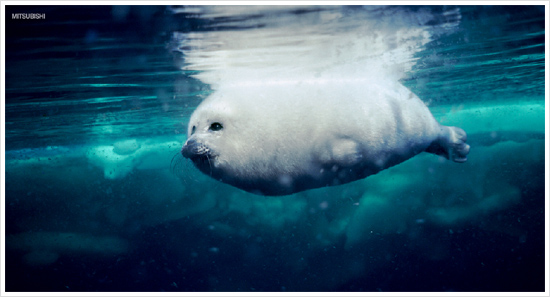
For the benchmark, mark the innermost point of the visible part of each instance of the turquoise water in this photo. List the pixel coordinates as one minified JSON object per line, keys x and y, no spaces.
{"x":98,"y":198}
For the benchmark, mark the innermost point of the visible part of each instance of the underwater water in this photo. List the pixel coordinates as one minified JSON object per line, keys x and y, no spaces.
{"x":98,"y":197}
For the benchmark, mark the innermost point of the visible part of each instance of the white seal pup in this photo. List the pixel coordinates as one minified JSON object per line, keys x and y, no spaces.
{"x":282,"y":138}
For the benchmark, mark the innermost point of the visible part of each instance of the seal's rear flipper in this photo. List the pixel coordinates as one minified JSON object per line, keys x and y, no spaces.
{"x":450,"y":144}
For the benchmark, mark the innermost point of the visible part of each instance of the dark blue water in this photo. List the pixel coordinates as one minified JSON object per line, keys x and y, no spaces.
{"x":97,"y":197}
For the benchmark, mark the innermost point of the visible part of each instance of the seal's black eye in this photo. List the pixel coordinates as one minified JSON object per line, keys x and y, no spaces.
{"x":193,"y":130}
{"x":216,"y":127}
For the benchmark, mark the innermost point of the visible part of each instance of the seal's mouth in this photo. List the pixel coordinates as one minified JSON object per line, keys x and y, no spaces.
{"x":198,"y":153}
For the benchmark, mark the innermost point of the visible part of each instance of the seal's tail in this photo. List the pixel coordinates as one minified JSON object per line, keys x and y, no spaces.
{"x":451,"y":144}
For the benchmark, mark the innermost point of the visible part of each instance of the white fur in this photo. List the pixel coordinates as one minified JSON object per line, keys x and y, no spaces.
{"x":278,"y":140}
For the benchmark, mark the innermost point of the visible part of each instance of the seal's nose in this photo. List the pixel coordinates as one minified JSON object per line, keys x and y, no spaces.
{"x":189,"y":148}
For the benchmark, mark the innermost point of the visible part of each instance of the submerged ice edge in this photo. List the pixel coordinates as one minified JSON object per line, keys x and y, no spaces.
{"x":397,"y":201}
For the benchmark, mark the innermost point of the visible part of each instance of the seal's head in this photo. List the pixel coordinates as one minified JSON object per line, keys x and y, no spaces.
{"x":205,"y":136}
{"x":242,"y":142}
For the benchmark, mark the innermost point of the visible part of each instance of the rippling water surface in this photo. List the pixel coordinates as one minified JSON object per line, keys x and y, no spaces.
{"x":97,"y":197}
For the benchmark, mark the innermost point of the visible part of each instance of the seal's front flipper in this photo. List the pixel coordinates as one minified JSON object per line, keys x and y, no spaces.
{"x":451,"y":144}
{"x":344,"y":152}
